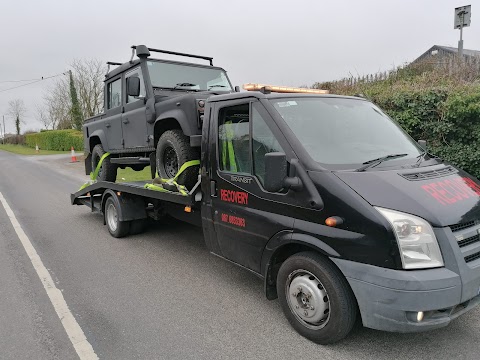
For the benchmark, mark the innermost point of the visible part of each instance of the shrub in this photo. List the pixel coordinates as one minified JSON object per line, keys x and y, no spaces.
{"x":442,"y":107}
{"x":59,"y":140}
{"x":15,"y":140}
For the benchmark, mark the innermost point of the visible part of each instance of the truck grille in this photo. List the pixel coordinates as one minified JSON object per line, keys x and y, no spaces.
{"x":468,"y":239}
{"x":461,"y":226}
{"x":429,"y":174}
{"x":472,"y":257}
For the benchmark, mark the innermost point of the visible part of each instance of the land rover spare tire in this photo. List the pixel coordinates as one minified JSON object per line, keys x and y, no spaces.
{"x":173,"y":150}
{"x":107,"y":171}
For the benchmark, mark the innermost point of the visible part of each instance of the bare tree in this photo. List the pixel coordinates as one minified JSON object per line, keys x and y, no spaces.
{"x":88,"y":76}
{"x":57,"y":105}
{"x":17,"y":109}
{"x":42,"y":115}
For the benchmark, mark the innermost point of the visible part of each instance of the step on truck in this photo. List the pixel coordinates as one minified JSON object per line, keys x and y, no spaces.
{"x":330,"y":202}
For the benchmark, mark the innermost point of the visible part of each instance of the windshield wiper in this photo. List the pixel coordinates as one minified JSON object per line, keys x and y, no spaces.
{"x":378,"y":161}
{"x":184,"y":84}
{"x":420,"y":158}
{"x":213,"y":86}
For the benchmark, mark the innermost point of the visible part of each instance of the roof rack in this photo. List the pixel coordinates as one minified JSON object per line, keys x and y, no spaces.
{"x":112,"y":63}
{"x":266,"y":89}
{"x":210,"y":59}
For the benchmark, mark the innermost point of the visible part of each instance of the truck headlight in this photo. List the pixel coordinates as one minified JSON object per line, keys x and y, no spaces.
{"x":418,"y":245}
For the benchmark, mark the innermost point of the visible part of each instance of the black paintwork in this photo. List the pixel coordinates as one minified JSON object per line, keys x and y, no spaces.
{"x":275,"y":221}
{"x":133,"y":129}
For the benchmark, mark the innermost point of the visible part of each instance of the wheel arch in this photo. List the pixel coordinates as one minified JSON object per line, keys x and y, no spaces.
{"x":282,"y":246}
{"x":170,"y":121}
{"x":97,"y":137}
{"x":129,"y":207}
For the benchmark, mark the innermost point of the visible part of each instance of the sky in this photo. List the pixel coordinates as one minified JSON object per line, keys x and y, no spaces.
{"x":280,"y":42}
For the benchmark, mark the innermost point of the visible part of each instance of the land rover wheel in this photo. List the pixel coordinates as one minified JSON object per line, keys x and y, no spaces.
{"x":107,"y":171}
{"x":173,"y":150}
{"x":316,"y":298}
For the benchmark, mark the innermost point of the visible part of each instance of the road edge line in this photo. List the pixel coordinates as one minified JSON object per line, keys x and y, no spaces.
{"x":75,"y":333}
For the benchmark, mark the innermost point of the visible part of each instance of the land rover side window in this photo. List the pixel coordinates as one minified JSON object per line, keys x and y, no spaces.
{"x":263,"y":142}
{"x":114,"y":94}
{"x":138,"y":73}
{"x":234,"y":139}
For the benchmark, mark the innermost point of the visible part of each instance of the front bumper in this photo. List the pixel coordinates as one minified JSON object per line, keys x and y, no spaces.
{"x":389,"y":299}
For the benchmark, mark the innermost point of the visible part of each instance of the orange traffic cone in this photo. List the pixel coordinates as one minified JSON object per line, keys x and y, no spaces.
{"x":74,"y":157}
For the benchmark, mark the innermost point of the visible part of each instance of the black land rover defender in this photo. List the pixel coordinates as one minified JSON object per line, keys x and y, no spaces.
{"x":153,"y":115}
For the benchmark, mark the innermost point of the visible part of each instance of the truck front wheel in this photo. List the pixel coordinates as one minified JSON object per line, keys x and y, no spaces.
{"x":173,"y":150}
{"x":316,"y":298}
{"x":107,"y":171}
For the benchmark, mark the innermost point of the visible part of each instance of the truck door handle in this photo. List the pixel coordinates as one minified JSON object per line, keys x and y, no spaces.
{"x":213,"y":188}
{"x":107,"y":125}
{"x":125,"y":121}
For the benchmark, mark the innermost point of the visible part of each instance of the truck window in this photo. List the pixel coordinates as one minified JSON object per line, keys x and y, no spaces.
{"x":138,"y":73}
{"x":263,"y":142}
{"x":114,"y":90}
{"x":234,"y":139}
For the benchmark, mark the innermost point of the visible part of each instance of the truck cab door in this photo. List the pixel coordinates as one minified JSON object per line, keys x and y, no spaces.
{"x":112,"y":123}
{"x":134,"y":119}
{"x":244,"y":215}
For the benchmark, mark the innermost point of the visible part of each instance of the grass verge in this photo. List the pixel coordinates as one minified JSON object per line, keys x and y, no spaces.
{"x":127,"y":174}
{"x":25,"y":150}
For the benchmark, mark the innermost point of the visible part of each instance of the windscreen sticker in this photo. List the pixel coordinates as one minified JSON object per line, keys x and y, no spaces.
{"x":287,"y":103}
{"x":232,"y":196}
{"x":234,"y":220}
{"x":451,"y":191}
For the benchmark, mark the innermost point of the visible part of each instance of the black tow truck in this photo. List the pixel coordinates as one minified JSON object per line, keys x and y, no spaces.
{"x":331,"y":203}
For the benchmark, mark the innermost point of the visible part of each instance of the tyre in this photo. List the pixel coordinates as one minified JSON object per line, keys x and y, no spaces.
{"x":138,"y":226}
{"x":116,"y":227}
{"x":173,"y":150}
{"x":108,"y":171}
{"x":316,"y":298}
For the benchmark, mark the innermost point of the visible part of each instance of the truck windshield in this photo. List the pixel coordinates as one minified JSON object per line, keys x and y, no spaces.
{"x":343,"y":133}
{"x":188,"y":77}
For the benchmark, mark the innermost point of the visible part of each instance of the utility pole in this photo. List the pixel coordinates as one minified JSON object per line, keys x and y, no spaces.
{"x":461,"y":20}
{"x":3,"y":130}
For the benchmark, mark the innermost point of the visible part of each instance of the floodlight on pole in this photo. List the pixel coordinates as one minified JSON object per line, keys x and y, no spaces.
{"x":462,"y":19}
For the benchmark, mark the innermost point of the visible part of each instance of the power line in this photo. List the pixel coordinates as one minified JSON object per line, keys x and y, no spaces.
{"x":33,"y":82}
{"x":13,"y":81}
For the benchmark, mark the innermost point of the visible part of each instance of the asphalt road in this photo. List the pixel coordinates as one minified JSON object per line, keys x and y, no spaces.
{"x":159,"y":295}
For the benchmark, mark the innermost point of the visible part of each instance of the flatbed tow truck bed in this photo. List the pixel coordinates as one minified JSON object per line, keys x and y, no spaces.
{"x":93,"y":194}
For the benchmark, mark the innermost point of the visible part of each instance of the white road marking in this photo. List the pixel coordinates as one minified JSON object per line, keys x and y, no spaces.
{"x":83,"y":348}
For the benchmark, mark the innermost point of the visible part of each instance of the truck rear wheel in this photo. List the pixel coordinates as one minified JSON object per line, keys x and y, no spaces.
{"x":116,"y":227}
{"x":316,"y":298}
{"x":108,"y":171}
{"x":173,"y":150}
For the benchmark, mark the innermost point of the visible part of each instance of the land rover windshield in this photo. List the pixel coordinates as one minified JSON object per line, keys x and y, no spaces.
{"x":187,"y":77}
{"x":344,"y":133}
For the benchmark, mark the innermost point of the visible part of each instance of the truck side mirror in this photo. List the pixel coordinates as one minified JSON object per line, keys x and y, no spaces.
{"x":275,"y":171}
{"x":423,"y":144}
{"x":237,"y":88}
{"x":133,"y":86}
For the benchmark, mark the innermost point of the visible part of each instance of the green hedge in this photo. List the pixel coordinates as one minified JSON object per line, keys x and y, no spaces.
{"x":59,"y":140}
{"x":436,"y":106}
{"x":447,"y":117}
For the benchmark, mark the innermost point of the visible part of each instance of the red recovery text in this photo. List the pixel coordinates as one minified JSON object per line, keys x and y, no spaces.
{"x":450,"y":191}
{"x":233,"y":196}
